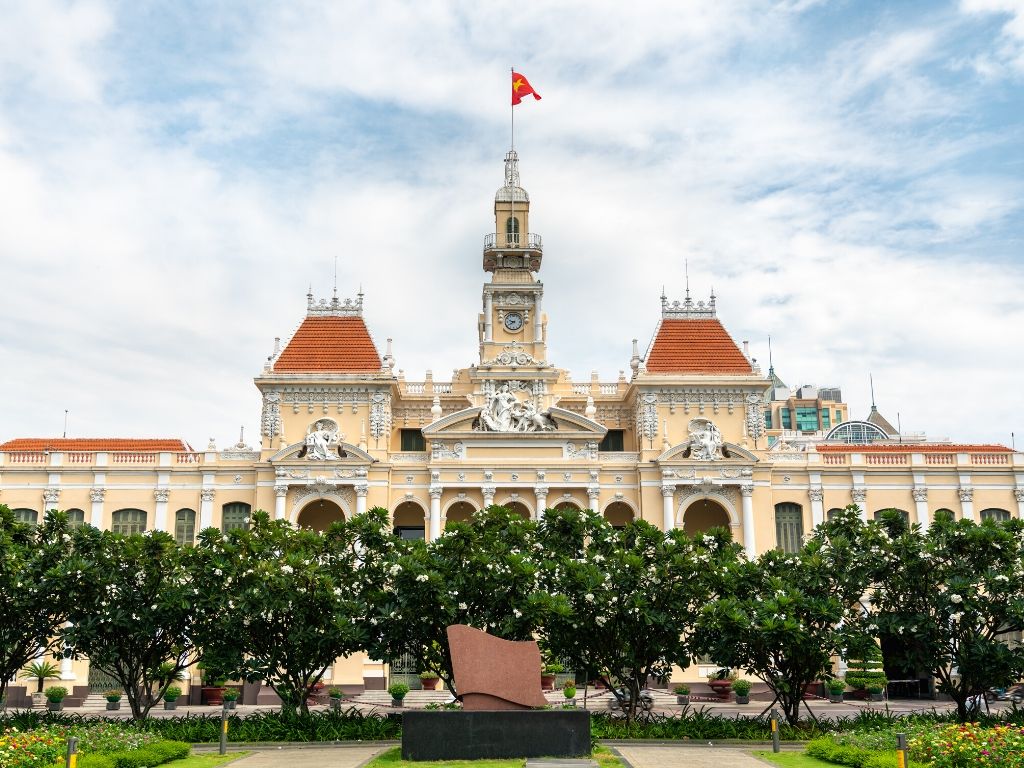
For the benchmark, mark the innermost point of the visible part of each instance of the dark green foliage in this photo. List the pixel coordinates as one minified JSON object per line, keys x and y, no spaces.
{"x":700,"y":724}
{"x":855,"y":757}
{"x":346,"y":725}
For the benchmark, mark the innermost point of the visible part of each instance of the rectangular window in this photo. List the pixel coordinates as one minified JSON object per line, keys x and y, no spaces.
{"x":787,"y":421}
{"x":824,"y":418}
{"x":839,"y":416}
{"x":768,"y":418}
{"x":789,"y":527}
{"x":807,"y":419}
{"x":412,"y":440}
{"x":613,"y":440}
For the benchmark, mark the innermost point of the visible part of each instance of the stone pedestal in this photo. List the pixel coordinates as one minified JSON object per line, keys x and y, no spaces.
{"x":455,"y":735}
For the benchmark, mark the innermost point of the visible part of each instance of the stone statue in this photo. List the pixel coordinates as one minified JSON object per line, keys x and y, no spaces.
{"x":321,"y":440}
{"x":705,"y":440}
{"x":504,"y":413}
{"x":492,"y":673}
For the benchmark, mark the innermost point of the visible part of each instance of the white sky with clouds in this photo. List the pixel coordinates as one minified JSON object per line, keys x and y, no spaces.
{"x":847,"y":175}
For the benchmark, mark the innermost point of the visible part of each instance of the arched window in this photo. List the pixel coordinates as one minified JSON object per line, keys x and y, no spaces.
{"x":185,"y":527}
{"x":235,"y":516}
{"x":903,"y":513}
{"x":832,"y":513}
{"x":999,"y":515}
{"x":944,"y":513}
{"x":76,"y":517}
{"x":856,"y":433}
{"x":128,"y":521}
{"x":409,"y":518}
{"x":24,"y":515}
{"x":789,"y":526}
{"x":512,"y":230}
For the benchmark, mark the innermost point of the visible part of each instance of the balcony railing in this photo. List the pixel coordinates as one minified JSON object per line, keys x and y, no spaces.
{"x":530,"y":241}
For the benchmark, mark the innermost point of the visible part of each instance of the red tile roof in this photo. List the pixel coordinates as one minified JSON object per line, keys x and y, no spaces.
{"x":695,"y":346}
{"x":340,"y":344}
{"x":912,"y":448}
{"x":93,"y":444}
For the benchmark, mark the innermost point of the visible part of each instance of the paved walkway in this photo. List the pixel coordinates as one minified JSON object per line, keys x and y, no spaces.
{"x":313,"y":757}
{"x":688,"y":757}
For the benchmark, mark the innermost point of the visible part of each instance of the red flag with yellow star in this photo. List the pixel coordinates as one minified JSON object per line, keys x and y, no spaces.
{"x":521,"y":87}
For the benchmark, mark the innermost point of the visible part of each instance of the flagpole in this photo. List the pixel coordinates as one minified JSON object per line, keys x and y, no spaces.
{"x":512,"y":193}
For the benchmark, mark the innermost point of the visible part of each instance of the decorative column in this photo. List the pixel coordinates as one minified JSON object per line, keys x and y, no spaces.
{"x":747,"y":492}
{"x":920,"y":494}
{"x":966,"y":494}
{"x":361,"y":491}
{"x":206,"y":507}
{"x":541,"y":492}
{"x":538,"y":331}
{"x":51,"y":498}
{"x":817,"y":494}
{"x":488,"y":307}
{"x":668,"y":495}
{"x":488,"y":489}
{"x":1018,"y":494}
{"x":280,"y":497}
{"x":160,"y":516}
{"x":435,"y":511}
{"x":860,"y":497}
{"x":96,"y":513}
{"x":66,"y":668}
{"x":594,"y":498}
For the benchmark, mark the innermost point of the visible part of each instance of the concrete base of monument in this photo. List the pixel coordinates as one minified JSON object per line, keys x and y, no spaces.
{"x":460,"y":735}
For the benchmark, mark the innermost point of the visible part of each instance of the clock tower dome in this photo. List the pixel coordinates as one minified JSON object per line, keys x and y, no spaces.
{"x":512,"y":325}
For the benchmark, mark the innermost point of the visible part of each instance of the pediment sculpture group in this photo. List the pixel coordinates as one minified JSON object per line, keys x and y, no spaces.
{"x":504,"y":412}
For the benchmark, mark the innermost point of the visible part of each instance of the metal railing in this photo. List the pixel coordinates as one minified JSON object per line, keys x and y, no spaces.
{"x":529,"y":240}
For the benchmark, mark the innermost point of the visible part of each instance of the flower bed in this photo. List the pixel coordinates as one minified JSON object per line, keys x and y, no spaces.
{"x":100,"y":745}
{"x":34,"y":749}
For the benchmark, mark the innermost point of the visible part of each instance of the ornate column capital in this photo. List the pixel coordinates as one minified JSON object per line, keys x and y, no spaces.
{"x":96,"y":495}
{"x":668,"y":491}
{"x":860,"y":495}
{"x":541,"y":490}
{"x":207,"y":494}
{"x":280,"y":491}
{"x":817,"y":493}
{"x":747,"y":489}
{"x":361,"y":489}
{"x":593,"y":492}
{"x":920,"y":493}
{"x":51,"y":496}
{"x":161,"y":495}
{"x":966,"y":493}
{"x":435,"y":491}
{"x":1018,"y":494}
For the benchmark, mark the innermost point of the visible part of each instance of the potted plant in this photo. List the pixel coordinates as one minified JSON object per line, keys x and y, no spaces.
{"x":113,"y":700}
{"x":171,"y":696}
{"x":836,"y":687}
{"x":230,"y":696}
{"x":682,"y":693}
{"x":429,"y":680}
{"x":569,"y":691}
{"x":335,"y":695}
{"x":55,"y":697}
{"x":398,"y":691}
{"x":875,"y":692}
{"x":213,"y":685}
{"x":40,"y":671}
{"x":547,"y":675}
{"x":720,"y":682}
{"x":742,"y":690}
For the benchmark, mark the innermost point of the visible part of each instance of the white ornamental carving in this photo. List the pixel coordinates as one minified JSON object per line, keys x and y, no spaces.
{"x":705,"y":440}
{"x":816,"y":493}
{"x":96,"y":495}
{"x":582,"y":451}
{"x":755,"y":416}
{"x":207,"y":494}
{"x":442,"y":451}
{"x":271,"y":421}
{"x":514,"y":355}
{"x":513,"y":299}
{"x":504,"y":413}
{"x":647,"y":415}
{"x":1018,"y":494}
{"x":51,"y":496}
{"x":322,"y":439}
{"x":380,"y":414}
{"x":966,"y":494}
{"x":860,"y":495}
{"x":161,"y":494}
{"x":920,"y":493}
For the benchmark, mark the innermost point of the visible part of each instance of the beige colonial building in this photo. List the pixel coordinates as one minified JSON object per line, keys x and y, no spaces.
{"x":692,"y":435}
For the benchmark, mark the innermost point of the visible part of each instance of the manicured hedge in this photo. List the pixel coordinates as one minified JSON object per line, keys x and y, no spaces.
{"x":855,"y":757}
{"x":144,"y":757}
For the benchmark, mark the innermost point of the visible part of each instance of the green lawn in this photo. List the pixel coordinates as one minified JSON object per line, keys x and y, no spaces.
{"x":793,"y":759}
{"x":205,"y":761}
{"x":393,"y":759}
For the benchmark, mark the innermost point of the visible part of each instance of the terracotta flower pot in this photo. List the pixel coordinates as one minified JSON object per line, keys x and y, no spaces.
{"x":547,"y":682}
{"x":721,"y":688}
{"x":213,"y":695}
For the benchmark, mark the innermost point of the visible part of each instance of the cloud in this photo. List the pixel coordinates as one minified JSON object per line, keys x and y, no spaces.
{"x":174,"y":180}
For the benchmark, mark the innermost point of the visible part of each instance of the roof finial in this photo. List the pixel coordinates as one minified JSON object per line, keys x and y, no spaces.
{"x":335,"y":276}
{"x":871,"y":379}
{"x":686,"y":272}
{"x":771,"y":368}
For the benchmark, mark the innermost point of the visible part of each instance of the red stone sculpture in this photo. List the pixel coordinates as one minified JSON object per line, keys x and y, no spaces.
{"x":492,"y":673}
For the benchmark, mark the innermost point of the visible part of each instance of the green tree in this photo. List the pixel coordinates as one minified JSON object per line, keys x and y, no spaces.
{"x":293,"y":600}
{"x":625,"y":603}
{"x":40,"y":579}
{"x":783,"y":617}
{"x":951,"y":595}
{"x":139,"y":620}
{"x":481,"y":573}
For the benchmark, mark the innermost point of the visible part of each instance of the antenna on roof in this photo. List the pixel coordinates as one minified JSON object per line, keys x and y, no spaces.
{"x":899,"y":426}
{"x":771,"y":367}
{"x":1013,"y":442}
{"x":65,"y":422}
{"x":871,"y":379}
{"x":335,"y":275}
{"x":686,"y":273}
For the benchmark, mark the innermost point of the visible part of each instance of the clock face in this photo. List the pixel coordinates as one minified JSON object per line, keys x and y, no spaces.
{"x":513,"y":321}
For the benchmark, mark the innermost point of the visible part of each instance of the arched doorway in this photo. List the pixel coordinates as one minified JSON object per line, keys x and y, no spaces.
{"x":618,"y":514}
{"x":409,"y":518}
{"x":459,"y":512}
{"x":703,"y":515}
{"x":518,"y":508}
{"x":319,"y":514}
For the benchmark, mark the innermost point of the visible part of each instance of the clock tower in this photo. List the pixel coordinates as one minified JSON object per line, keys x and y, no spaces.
{"x":512,"y":325}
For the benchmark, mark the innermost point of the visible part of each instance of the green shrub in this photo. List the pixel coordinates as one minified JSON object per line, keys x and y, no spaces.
{"x":172,"y":693}
{"x":681,"y":690}
{"x":836,"y":686}
{"x":398,"y":691}
{"x":56,"y":693}
{"x":742,"y":687}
